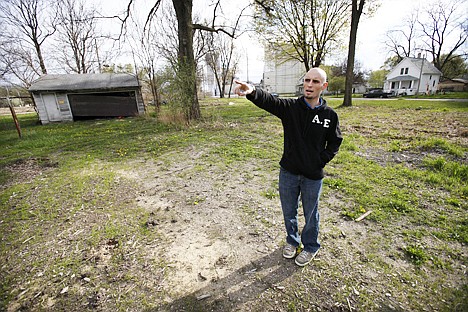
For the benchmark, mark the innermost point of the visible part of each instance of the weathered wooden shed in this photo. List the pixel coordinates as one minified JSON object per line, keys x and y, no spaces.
{"x":82,"y":96}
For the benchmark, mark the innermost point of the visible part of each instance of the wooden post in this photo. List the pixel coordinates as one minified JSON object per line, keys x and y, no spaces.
{"x":13,"y":114}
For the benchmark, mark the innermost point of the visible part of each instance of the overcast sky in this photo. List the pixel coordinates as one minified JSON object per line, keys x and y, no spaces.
{"x":370,"y":50}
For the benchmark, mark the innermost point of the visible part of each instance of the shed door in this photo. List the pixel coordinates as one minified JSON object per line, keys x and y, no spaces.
{"x":110,"y":104}
{"x":51,"y":107}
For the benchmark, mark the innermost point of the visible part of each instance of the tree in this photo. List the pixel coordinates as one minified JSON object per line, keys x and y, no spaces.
{"x":26,"y":26}
{"x":77,"y":38}
{"x":147,"y":49}
{"x":186,"y":71}
{"x":403,"y":48}
{"x":17,"y":63}
{"x":455,"y":68}
{"x":440,"y":32}
{"x":186,"y":77}
{"x":336,"y":84}
{"x":356,"y":11}
{"x":221,"y":57}
{"x":337,"y":76}
{"x":306,"y":31}
{"x":391,"y":62}
{"x":222,"y":61}
{"x":377,"y":78}
{"x":446,"y":18}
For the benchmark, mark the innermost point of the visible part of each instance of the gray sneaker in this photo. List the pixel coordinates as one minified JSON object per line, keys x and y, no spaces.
{"x":305,"y":257}
{"x":289,"y":251}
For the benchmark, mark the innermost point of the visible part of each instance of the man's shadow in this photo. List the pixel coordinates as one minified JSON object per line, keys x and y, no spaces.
{"x":239,"y":287}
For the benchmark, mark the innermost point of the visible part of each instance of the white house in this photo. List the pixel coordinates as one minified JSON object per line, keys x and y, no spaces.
{"x":413,"y":76}
{"x":282,"y":77}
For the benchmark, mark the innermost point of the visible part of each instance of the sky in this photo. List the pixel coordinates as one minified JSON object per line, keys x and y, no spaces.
{"x":370,"y":50}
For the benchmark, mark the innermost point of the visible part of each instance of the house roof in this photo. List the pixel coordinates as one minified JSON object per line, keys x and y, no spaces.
{"x":456,"y":81}
{"x":73,"y":82}
{"x":403,"y":78}
{"x":464,"y":81}
{"x":428,"y":68}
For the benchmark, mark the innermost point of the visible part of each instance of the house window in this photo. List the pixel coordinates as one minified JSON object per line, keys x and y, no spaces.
{"x":393,"y":84}
{"x":433,"y":83}
{"x":430,"y":77}
{"x":406,"y":70}
{"x":410,"y":84}
{"x":401,"y":71}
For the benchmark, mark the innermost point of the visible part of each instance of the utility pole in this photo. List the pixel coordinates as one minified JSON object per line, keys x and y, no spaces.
{"x":420,"y":74}
{"x":247,"y":67}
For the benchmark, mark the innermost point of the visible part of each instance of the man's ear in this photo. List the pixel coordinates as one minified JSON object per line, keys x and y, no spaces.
{"x":325,"y":85}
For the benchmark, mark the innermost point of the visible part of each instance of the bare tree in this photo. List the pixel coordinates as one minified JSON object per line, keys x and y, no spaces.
{"x":186,"y":66}
{"x":402,"y":42}
{"x":163,"y":31}
{"x":445,"y":19}
{"x":221,"y":56}
{"x":77,"y":37}
{"x":440,"y":31}
{"x":148,"y":47}
{"x":26,"y":26}
{"x":306,"y":31}
{"x":17,"y":64}
{"x":222,"y":60}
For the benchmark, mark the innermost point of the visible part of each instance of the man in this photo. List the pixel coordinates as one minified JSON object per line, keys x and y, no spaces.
{"x":312,"y":138}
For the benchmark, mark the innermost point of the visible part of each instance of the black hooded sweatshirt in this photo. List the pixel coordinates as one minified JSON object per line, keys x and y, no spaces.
{"x":312,"y":137}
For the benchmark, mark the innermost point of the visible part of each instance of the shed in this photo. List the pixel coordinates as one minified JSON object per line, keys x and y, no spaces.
{"x":81,"y":96}
{"x":457,"y":84}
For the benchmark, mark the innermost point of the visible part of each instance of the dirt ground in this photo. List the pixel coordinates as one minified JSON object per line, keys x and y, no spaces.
{"x":224,"y":239}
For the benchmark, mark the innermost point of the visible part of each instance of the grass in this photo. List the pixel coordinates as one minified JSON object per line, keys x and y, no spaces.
{"x":446,"y":95}
{"x":404,"y":160}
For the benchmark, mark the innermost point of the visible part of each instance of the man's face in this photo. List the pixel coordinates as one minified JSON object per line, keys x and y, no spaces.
{"x":313,"y":84}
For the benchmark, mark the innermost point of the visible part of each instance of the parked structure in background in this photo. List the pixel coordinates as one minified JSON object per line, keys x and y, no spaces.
{"x":453,"y":85}
{"x":84,"y":96}
{"x":413,"y":76}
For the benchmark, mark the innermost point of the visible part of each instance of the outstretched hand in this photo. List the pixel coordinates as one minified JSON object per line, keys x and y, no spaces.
{"x":243,"y":88}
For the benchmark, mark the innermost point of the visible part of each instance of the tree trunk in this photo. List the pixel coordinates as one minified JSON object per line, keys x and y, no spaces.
{"x":355,"y":16}
{"x":187,"y":66}
{"x":37,"y":46}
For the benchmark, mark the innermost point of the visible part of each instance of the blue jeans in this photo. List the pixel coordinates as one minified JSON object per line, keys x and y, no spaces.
{"x":291,"y":188}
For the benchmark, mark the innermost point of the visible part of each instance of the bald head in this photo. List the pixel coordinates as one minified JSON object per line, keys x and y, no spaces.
{"x":318,"y":71}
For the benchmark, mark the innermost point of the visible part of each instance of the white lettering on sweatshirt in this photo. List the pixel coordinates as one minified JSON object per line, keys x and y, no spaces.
{"x":325,"y":123}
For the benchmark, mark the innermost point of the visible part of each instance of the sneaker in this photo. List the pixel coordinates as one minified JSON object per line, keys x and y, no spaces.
{"x":289,"y":251}
{"x":305,"y":257}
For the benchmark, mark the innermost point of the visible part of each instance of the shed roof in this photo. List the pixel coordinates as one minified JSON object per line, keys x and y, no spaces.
{"x":73,"y":82}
